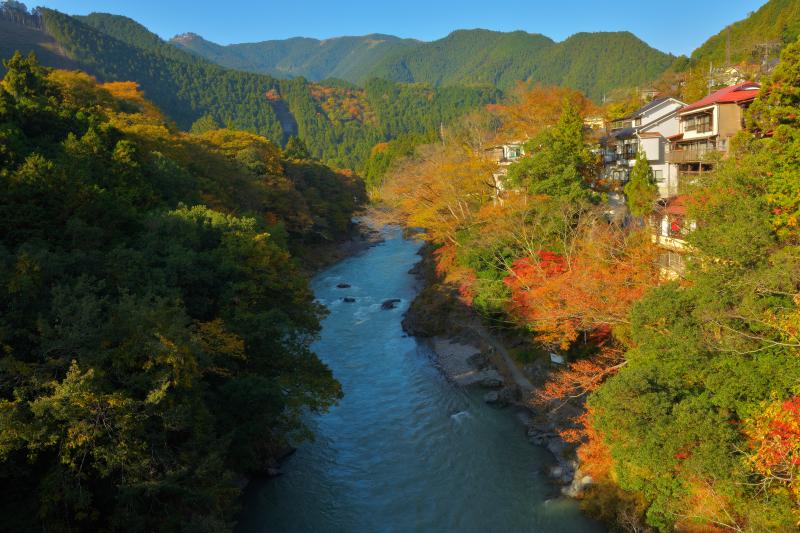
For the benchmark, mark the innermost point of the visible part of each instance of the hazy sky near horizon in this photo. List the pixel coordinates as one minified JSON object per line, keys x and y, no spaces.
{"x":665,"y":26}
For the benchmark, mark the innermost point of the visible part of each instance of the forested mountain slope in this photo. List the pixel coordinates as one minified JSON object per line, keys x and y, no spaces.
{"x":17,"y":36}
{"x":762,"y":34}
{"x":339,"y":123}
{"x":591,"y":62}
{"x":185,"y":86}
{"x":347,"y":58}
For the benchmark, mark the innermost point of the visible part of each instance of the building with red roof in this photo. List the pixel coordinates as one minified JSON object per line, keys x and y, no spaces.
{"x":706,"y":127}
{"x":704,"y":131}
{"x":670,"y":226}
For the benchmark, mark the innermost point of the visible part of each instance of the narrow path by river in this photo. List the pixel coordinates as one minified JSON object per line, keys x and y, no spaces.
{"x":405,"y":450}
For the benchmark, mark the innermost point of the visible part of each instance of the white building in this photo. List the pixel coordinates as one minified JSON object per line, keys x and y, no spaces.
{"x":646,"y":129}
{"x":504,"y":155}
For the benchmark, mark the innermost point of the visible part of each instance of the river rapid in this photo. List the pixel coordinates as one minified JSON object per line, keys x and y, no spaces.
{"x":405,"y":450}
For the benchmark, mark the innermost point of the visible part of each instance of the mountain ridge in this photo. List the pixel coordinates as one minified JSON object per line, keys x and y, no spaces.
{"x":339,"y":123}
{"x":345,"y":57}
{"x":463,"y":57}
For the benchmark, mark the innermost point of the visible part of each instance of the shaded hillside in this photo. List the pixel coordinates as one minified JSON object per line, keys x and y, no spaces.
{"x":348,"y":58}
{"x":339,"y":123}
{"x":21,"y":37}
{"x":185,"y":86}
{"x":762,"y":34}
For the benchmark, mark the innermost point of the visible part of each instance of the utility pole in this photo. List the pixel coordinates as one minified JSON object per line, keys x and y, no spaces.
{"x":710,"y":76}
{"x":728,"y":47}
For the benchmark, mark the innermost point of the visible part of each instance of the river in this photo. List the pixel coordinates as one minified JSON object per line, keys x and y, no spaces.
{"x":404,"y":450}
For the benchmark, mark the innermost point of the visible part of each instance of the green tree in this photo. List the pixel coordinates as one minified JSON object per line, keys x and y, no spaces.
{"x":296,"y":149}
{"x":707,"y":355}
{"x":24,"y":76}
{"x":775,"y":115}
{"x":204,"y":124}
{"x":641,"y":190}
{"x":559,"y":160}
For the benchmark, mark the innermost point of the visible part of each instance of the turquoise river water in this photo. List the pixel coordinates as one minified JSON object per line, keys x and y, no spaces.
{"x":404,"y":450}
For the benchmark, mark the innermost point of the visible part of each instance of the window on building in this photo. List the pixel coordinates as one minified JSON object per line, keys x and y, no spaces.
{"x":658,"y":176}
{"x":704,"y":123}
{"x":630,"y":150}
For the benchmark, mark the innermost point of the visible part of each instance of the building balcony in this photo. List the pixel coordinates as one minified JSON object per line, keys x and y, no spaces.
{"x":675,"y":244}
{"x":694,"y":155}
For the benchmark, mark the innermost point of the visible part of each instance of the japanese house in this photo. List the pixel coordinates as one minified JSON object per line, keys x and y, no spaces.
{"x":646,"y":129}
{"x":706,"y":127}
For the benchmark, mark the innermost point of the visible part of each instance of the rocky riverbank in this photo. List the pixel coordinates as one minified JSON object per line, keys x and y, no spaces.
{"x":471,"y":356}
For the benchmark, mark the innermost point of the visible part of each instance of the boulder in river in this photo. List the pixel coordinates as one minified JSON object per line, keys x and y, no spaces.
{"x":491,"y":383}
{"x":391,"y":303}
{"x":343,"y":286}
{"x":348,"y":299}
{"x":479,"y":361}
{"x":501,"y":397}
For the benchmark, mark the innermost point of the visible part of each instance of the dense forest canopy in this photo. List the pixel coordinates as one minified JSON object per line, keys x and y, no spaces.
{"x":340,"y":123}
{"x":595,"y":63}
{"x":154,"y":326}
{"x":760,"y":36}
{"x":349,"y":125}
{"x":347,"y":58}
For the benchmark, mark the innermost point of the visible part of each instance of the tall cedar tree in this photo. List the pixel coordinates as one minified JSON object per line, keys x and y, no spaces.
{"x":641,"y":191}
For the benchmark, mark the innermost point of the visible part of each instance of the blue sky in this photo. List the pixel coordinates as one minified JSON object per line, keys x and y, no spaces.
{"x":678,"y":26}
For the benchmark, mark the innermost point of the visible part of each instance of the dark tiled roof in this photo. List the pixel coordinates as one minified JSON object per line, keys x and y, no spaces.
{"x":623,"y":133}
{"x":647,"y":107}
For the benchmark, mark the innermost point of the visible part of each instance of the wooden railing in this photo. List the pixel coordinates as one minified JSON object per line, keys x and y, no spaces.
{"x":691,"y":155}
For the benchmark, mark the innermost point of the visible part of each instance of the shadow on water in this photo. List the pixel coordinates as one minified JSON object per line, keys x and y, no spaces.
{"x":405,"y":450}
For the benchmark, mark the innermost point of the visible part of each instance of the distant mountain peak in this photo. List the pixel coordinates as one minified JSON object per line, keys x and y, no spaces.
{"x":187,"y":37}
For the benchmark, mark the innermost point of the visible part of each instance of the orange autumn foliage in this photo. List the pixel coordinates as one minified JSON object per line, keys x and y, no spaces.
{"x":582,"y":376}
{"x":595,"y":455}
{"x":594,"y":285}
{"x":342,"y":104}
{"x":775,"y":441}
{"x":532,"y":109}
{"x":441,"y":190}
{"x":450,"y":272}
{"x":129,"y":92}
